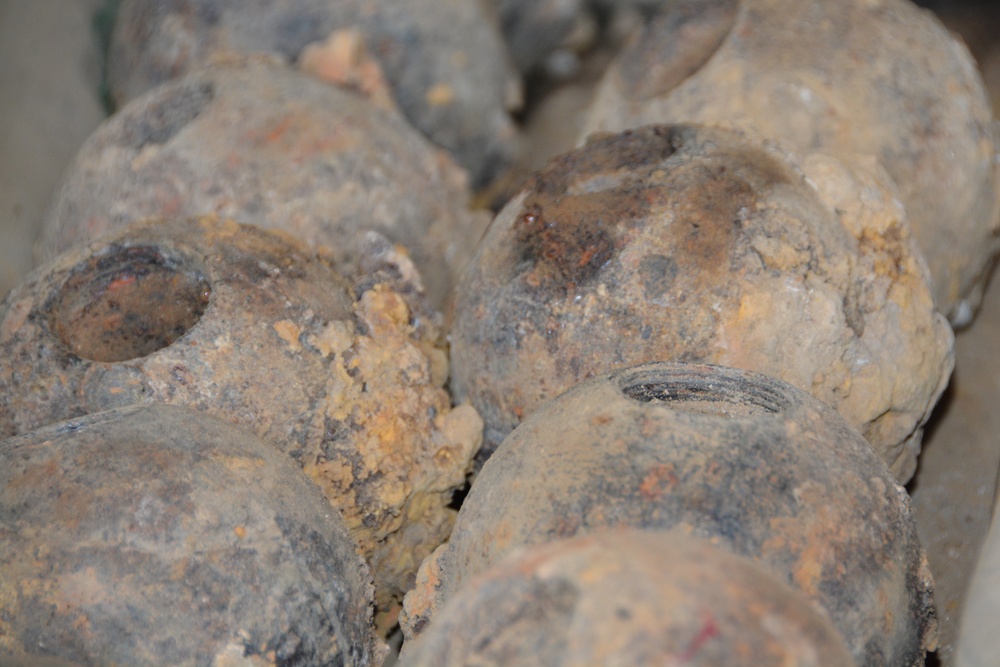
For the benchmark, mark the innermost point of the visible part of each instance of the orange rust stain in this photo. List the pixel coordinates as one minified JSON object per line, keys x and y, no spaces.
{"x":502,"y":535}
{"x":319,"y":146}
{"x":648,"y":427}
{"x":35,"y":476}
{"x":567,"y":238}
{"x":587,"y":255}
{"x":278,"y":131}
{"x":168,"y":202}
{"x":112,"y":322}
{"x":119,"y":283}
{"x":658,"y":480}
{"x":808,"y":572}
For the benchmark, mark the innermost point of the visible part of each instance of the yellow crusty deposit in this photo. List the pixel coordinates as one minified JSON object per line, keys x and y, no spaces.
{"x":396,"y":459}
{"x":894,"y":355}
{"x":347,"y":379}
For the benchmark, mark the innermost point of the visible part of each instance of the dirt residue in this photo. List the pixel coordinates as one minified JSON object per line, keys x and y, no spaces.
{"x":804,"y":73}
{"x":697,"y":244}
{"x":755,"y":482}
{"x":348,"y":380}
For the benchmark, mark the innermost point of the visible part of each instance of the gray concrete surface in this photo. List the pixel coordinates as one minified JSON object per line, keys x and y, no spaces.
{"x":49,"y":76}
{"x":955,"y":484}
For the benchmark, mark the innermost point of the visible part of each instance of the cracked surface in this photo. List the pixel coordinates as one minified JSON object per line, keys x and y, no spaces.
{"x":691,"y":244}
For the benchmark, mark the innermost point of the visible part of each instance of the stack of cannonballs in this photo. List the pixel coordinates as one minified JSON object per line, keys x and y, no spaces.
{"x":686,"y":368}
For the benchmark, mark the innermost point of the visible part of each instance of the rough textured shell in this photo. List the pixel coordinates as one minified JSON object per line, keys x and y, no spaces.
{"x":267,"y":145}
{"x":256,"y":329}
{"x":878,"y":77}
{"x":444,"y":60}
{"x":685,"y":243}
{"x":736,"y":458}
{"x":628,"y":598}
{"x":158,"y":535}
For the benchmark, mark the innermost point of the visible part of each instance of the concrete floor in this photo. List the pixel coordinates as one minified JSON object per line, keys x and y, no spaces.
{"x":49,"y":77}
{"x":49,"y":74}
{"x":954,"y":488}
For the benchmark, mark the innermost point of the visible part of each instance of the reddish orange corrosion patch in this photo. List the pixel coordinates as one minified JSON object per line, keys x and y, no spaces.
{"x":569,"y":231}
{"x":278,"y":130}
{"x":128,"y":303}
{"x":568,"y":244}
{"x":297,"y":138}
{"x":123,"y":281}
{"x":658,"y":480}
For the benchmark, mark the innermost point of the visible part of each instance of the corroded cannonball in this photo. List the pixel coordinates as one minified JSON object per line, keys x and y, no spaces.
{"x":627,"y":597}
{"x":254,"y":140}
{"x":157,"y":535}
{"x":259,"y":330}
{"x":443,"y":61}
{"x":687,"y":243}
{"x":872,"y":77}
{"x":736,"y":458}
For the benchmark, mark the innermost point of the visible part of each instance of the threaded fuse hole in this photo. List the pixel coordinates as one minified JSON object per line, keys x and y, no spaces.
{"x":128,"y":302}
{"x":721,"y":395}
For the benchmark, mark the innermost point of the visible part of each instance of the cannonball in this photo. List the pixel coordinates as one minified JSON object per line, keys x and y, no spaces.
{"x":157,"y":535}
{"x":688,"y":243}
{"x":256,"y":329}
{"x":262,"y":143}
{"x":443,"y":61}
{"x":874,"y":77}
{"x":739,"y":459}
{"x":627,"y":597}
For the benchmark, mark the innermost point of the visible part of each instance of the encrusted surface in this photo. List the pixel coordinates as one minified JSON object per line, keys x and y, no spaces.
{"x":157,"y":535}
{"x":872,"y":77}
{"x":735,"y":458}
{"x":266,"y":145}
{"x":693,"y":244}
{"x":347,"y":380}
{"x":628,"y":597}
{"x":444,"y":60}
